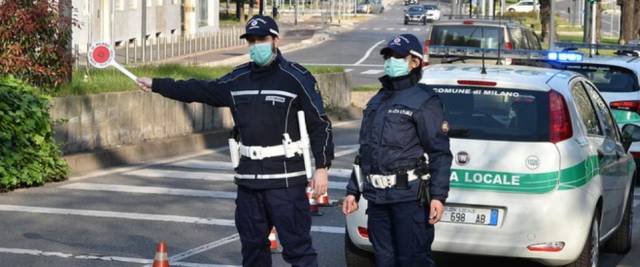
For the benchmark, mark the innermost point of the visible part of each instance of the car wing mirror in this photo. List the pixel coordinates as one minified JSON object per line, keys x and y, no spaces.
{"x":630,"y":134}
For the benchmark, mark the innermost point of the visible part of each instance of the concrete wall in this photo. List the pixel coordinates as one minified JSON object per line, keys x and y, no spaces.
{"x":109,"y":120}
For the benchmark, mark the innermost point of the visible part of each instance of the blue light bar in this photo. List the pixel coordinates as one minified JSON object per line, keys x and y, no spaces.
{"x":565,"y":56}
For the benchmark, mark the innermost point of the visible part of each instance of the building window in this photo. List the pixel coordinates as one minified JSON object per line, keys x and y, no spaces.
{"x":133,"y":4}
{"x":203,"y":16}
{"x":159,"y":2}
{"x":175,"y":2}
{"x":149,"y":3}
{"x":120,"y":5}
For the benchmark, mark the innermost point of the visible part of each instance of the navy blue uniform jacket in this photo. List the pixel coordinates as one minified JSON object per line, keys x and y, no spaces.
{"x":264,"y":102}
{"x":401,"y":122}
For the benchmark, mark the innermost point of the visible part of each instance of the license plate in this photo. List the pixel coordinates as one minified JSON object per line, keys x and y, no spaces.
{"x":469,"y":215}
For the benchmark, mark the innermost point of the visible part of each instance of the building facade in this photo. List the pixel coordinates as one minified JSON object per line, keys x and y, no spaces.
{"x":121,"y":21}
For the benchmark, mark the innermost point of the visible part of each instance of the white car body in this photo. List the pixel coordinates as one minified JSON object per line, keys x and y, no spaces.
{"x":541,"y":192}
{"x":524,"y":6}
{"x":632,"y":64}
{"x":433,"y":14}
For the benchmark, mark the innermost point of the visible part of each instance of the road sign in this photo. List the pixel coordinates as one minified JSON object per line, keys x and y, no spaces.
{"x":102,"y":55}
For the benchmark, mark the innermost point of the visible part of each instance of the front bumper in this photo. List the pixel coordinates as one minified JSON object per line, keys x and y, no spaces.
{"x":525,"y":219}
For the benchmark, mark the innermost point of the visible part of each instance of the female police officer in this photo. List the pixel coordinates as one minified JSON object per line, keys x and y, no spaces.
{"x":401,"y":123}
{"x":264,"y":96}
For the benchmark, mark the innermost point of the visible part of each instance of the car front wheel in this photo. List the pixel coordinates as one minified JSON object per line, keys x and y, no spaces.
{"x":356,"y":257}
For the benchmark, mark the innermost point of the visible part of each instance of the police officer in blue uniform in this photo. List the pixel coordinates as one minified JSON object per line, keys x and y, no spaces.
{"x":264,"y":96}
{"x":402,"y":122}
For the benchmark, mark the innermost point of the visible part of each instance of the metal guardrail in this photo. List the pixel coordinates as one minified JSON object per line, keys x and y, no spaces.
{"x":160,"y":49}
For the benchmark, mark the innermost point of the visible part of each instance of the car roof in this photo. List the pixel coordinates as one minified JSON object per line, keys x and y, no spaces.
{"x":629,"y":62}
{"x":506,"y":76}
{"x":476,"y":22}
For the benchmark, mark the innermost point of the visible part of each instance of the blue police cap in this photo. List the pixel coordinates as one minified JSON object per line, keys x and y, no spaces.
{"x":404,"y":44}
{"x":260,"y":26}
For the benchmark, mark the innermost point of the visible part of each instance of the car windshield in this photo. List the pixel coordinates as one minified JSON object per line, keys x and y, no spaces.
{"x":607,"y":78}
{"x":495,"y":113}
{"x":428,"y":7}
{"x":465,"y":35}
{"x":416,"y":9}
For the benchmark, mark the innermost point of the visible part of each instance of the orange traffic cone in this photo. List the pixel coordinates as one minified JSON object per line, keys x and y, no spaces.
{"x":273,"y":239}
{"x":313,"y":204}
{"x":323,"y":200}
{"x":162,"y":257}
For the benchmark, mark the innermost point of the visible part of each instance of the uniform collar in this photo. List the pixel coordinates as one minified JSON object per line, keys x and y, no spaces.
{"x":402,"y":82}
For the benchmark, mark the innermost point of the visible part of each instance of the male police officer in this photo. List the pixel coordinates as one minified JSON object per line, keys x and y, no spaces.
{"x":264,"y":96}
{"x":401,"y":123}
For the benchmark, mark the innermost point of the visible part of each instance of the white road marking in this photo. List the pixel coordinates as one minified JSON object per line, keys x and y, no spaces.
{"x":403,"y":29}
{"x":346,"y":152}
{"x":204,"y":164}
{"x":165,"y":161}
{"x":368,"y":53}
{"x":207,"y":176}
{"x":205,"y":247}
{"x":145,"y":217}
{"x":150,"y":190}
{"x":364,"y":28}
{"x":34,"y":252}
{"x":376,"y":28}
{"x":390,"y":29}
{"x":348,"y":70}
{"x":416,"y":29}
{"x":372,"y":72}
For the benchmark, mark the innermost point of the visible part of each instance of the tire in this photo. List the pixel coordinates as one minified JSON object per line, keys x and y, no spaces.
{"x":356,"y":257}
{"x":406,"y":22}
{"x":424,"y":22}
{"x":512,"y":10}
{"x":620,"y":240}
{"x":591,"y":251}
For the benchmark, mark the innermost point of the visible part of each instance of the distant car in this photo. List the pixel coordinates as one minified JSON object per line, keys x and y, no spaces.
{"x":480,"y":33}
{"x":410,"y":2}
{"x":432,"y":12}
{"x":415,"y":14}
{"x":370,"y":7}
{"x":524,"y":6}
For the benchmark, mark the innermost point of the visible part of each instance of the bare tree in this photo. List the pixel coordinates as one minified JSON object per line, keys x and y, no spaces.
{"x":599,"y":22}
{"x":240,"y":10}
{"x":545,"y":18}
{"x":626,"y":20}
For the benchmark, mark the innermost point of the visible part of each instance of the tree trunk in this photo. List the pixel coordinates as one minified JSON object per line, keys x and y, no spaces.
{"x":636,"y":20}
{"x":599,"y":15}
{"x":240,"y":10}
{"x":545,"y":17}
{"x":227,"y":9}
{"x":252,"y":4}
{"x":626,"y":21}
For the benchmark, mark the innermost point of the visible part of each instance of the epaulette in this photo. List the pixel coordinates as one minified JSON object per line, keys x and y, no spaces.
{"x":299,"y":68}
{"x":237,"y":71}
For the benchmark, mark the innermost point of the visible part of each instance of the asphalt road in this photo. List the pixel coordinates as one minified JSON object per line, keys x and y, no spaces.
{"x":116,"y":217}
{"x":358,"y":51}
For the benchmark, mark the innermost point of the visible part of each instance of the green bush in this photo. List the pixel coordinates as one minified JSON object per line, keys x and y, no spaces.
{"x":29,"y":155}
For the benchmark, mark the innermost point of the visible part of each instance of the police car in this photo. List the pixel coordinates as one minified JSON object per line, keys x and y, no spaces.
{"x":541,"y":171}
{"x":617,"y":79}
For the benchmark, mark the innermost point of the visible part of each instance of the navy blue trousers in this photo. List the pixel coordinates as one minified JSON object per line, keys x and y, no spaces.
{"x":401,"y":234}
{"x":257,"y":211}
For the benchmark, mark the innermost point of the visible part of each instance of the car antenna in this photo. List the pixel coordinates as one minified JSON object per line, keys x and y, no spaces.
{"x":500,"y":32}
{"x":484,"y":69}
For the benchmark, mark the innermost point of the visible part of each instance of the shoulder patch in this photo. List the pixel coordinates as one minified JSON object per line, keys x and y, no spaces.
{"x":299,"y":68}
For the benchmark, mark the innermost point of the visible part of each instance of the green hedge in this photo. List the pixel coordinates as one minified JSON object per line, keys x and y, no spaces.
{"x":29,"y":155}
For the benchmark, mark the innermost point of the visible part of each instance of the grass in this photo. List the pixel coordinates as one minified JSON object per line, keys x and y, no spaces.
{"x":367,"y":87}
{"x":95,"y":81}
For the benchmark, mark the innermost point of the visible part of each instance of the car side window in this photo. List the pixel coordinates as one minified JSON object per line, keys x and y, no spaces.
{"x":610,"y":128}
{"x":585,"y":109}
{"x":533,"y":40}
